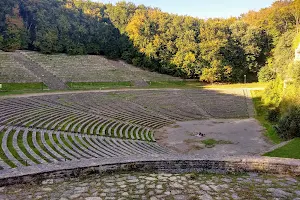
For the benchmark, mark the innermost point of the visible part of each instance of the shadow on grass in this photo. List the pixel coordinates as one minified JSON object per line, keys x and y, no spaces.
{"x":290,"y":150}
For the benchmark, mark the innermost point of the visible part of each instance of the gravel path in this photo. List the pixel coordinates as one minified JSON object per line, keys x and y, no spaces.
{"x":232,"y":137}
{"x":160,"y":186}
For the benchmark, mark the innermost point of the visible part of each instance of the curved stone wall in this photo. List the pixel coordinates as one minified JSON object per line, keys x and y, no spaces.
{"x":159,"y":163}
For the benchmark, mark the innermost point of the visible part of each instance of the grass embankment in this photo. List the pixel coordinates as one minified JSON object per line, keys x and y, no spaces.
{"x":201,"y":85}
{"x":22,"y":88}
{"x":172,"y":84}
{"x":290,"y":150}
{"x":261,"y":116}
{"x":236,"y":86}
{"x":98,"y":85}
{"x":160,"y":84}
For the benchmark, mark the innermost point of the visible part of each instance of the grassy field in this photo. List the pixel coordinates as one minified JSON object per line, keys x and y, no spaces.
{"x":161,"y":84}
{"x":237,"y":85}
{"x":261,"y":116}
{"x":22,"y":86}
{"x":98,"y":85}
{"x":290,"y":150}
{"x":197,"y":84}
{"x":152,"y":84}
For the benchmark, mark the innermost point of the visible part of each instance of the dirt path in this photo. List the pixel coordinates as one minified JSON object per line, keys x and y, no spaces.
{"x":110,"y":90}
{"x":231,"y":137}
{"x":81,"y":92}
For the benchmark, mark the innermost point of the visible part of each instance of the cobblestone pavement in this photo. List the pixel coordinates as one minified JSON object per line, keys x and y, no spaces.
{"x":160,"y":186}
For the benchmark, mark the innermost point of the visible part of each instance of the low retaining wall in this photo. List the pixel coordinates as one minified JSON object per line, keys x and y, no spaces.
{"x":171,"y":164}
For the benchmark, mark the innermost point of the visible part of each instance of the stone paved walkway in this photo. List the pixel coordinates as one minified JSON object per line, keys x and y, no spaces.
{"x":160,"y":186}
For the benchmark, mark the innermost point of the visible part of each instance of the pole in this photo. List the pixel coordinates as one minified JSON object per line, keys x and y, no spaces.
{"x":42,"y":82}
{"x":245,"y":79}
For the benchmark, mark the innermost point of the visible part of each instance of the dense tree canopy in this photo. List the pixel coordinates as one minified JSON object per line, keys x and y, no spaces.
{"x":212,"y":50}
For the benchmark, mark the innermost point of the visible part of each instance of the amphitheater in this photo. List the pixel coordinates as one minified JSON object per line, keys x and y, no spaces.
{"x":55,"y":128}
{"x":67,"y":143}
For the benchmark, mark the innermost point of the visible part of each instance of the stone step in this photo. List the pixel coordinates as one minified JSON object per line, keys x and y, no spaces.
{"x":133,"y":149}
{"x":109,"y":131}
{"x":39,"y":148}
{"x":86,"y":146}
{"x":62,"y":119}
{"x":53,"y":82}
{"x":70,"y":151}
{"x":148,"y":146}
{"x":82,"y":149}
{"x":20,"y":117}
{"x":101,"y":125}
{"x":102,"y":143}
{"x":126,"y":148}
{"x":126,"y":135}
{"x":143,"y":136}
{"x":77,"y":152}
{"x":89,"y":126}
{"x":104,"y":131}
{"x":147,"y":136}
{"x":100,"y":151}
{"x":45,"y":119}
{"x":78,"y":124}
{"x":49,"y":149}
{"x":3,"y":164}
{"x":97,"y":141}
{"x":45,"y":122}
{"x":122,"y":130}
{"x":59,"y":149}
{"x":70,"y":124}
{"x":29,"y":149}
{"x":118,"y":151}
{"x":53,"y":123}
{"x":117,"y":129}
{"x":141,"y":148}
{"x":19,"y":151}
{"x":132,"y":135}
{"x":6,"y":150}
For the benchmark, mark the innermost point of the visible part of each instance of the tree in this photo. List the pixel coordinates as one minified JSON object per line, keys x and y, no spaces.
{"x":15,"y":35}
{"x":295,"y":10}
{"x":275,"y":20}
{"x":225,"y":49}
{"x":120,"y":14}
{"x":210,"y":75}
{"x":246,"y":50}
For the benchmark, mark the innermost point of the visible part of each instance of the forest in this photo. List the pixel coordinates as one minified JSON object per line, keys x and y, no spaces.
{"x":214,"y":50}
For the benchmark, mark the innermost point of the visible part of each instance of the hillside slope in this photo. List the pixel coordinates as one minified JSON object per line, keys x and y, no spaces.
{"x":81,"y":68}
{"x":12,"y":71}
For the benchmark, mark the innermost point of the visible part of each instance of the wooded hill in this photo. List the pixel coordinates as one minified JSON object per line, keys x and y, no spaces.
{"x":212,"y":50}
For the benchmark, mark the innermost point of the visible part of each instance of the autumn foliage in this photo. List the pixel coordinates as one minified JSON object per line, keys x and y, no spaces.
{"x":212,"y":50}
